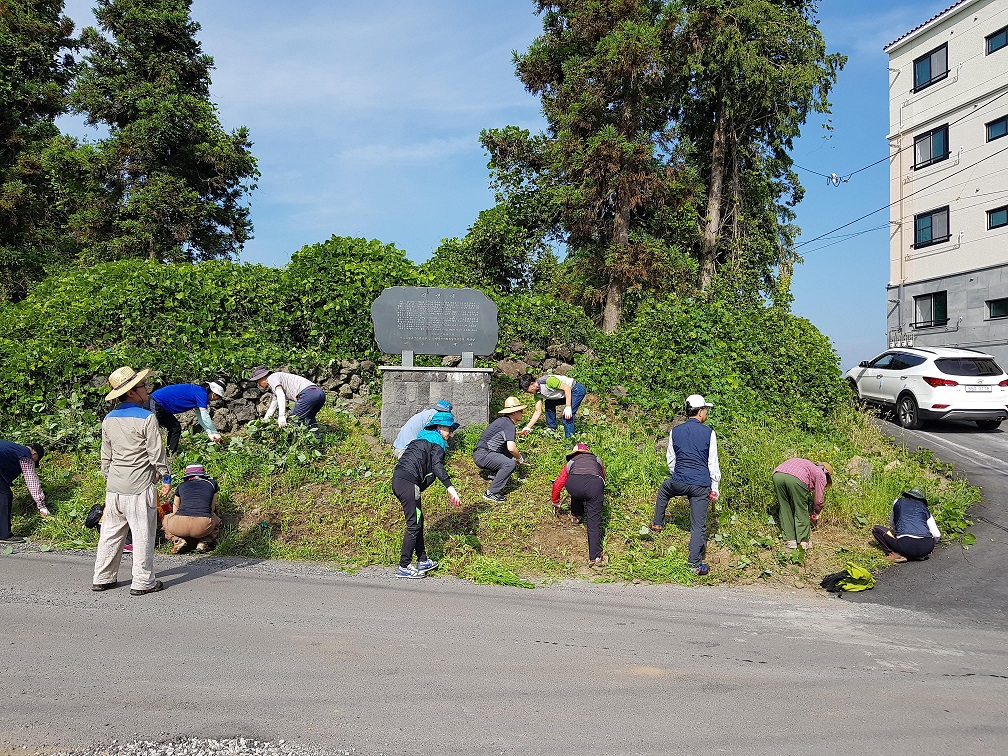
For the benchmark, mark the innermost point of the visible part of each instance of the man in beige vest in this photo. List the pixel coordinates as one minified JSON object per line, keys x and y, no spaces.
{"x":132,"y":461}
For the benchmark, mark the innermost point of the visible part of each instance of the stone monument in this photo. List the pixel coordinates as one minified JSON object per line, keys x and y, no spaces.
{"x":413,"y":320}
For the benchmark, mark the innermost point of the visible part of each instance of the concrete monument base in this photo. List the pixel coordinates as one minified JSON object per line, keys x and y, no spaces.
{"x":408,"y":390}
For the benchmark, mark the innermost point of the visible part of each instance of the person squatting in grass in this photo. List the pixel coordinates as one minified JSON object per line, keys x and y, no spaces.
{"x":193,"y":519}
{"x":912,"y":532}
{"x":169,"y":401}
{"x":308,"y":398}
{"x":411,"y":429}
{"x":132,"y":460}
{"x":16,"y":460}
{"x":584,"y":478}
{"x":421,"y":462}
{"x":800,"y":488}
{"x":692,"y":458}
{"x":555,"y":390}
{"x":496,"y":452}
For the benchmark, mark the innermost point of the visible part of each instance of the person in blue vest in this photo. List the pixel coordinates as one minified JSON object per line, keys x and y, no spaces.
{"x":16,"y":460}
{"x":411,"y":429}
{"x":692,"y":458}
{"x":169,"y":401}
{"x":912,"y":532}
{"x":422,"y":461}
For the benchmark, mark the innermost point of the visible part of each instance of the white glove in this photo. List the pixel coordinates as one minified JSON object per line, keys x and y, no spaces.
{"x":568,"y":413}
{"x":453,"y":496}
{"x":281,"y":421}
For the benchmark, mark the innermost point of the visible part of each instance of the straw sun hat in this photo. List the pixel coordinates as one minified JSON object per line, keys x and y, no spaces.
{"x":123,"y":379}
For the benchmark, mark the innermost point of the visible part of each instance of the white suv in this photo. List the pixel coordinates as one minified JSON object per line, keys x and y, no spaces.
{"x":934,"y":383}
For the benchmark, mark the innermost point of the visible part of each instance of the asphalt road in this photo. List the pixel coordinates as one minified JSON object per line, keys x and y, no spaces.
{"x":368,"y":664}
{"x":970,"y":583}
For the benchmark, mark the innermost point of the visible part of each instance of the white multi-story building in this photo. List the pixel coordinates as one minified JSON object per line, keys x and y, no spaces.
{"x":948,"y":137}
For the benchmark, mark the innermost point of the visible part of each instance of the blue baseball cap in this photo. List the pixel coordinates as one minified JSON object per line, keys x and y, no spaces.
{"x":447,"y":419}
{"x":443,"y":405}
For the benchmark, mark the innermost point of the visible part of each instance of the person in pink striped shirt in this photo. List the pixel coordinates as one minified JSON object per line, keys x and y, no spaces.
{"x":800,"y":487}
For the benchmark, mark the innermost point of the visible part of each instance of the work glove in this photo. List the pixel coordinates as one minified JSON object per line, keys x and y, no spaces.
{"x":568,"y":412}
{"x":453,"y":496}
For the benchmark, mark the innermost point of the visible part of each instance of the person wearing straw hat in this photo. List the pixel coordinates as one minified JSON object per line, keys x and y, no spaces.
{"x":800,"y":489}
{"x":584,"y":478}
{"x":421,"y":462}
{"x":912,"y":532}
{"x":132,"y":462}
{"x":496,"y":452}
{"x":16,"y":460}
{"x":692,"y":459}
{"x":169,"y":401}
{"x":308,"y":398}
{"x":411,"y":429}
{"x":193,"y":518}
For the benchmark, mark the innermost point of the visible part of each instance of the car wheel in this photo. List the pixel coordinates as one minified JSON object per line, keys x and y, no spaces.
{"x":988,"y":425}
{"x":907,"y":413}
{"x":855,"y":394}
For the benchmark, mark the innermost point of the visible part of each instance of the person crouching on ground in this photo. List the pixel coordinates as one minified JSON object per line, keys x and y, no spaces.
{"x":912,"y":532}
{"x":555,"y":390}
{"x":421,"y":462}
{"x":193,"y":519}
{"x":496,"y":452}
{"x":307,"y":397}
{"x":584,"y":478}
{"x":800,"y":488}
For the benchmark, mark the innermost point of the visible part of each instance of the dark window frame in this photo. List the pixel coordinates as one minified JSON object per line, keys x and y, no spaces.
{"x":990,"y":212}
{"x":932,"y":241}
{"x":934,"y":322}
{"x":930,"y":135}
{"x":1003,"y":33}
{"x":918,"y":86}
{"x":987,"y":128}
{"x":1003,"y":301}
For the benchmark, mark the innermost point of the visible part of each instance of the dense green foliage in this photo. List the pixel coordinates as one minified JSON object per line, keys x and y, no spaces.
{"x":35,"y":72}
{"x":172,"y":180}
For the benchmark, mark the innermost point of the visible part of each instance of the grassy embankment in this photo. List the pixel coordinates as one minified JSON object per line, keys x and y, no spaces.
{"x":283,"y":498}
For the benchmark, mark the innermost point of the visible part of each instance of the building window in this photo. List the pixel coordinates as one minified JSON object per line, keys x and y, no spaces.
{"x":997,"y":129}
{"x":931,"y":147}
{"x":997,"y":40}
{"x":997,"y":217}
{"x":931,"y":227}
{"x":930,"y":68}
{"x":931,"y":310}
{"x":998,"y":308}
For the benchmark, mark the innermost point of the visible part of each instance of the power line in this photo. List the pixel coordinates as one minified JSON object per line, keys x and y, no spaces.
{"x":886,"y":207}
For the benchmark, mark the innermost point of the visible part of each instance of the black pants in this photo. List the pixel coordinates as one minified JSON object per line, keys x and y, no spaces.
{"x":911,"y":548}
{"x":169,"y":422}
{"x":699,"y":499}
{"x":6,"y":505}
{"x":586,"y":501}
{"x":409,"y":496}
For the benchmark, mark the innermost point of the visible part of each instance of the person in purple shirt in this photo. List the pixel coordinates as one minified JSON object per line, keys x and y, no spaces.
{"x":169,"y":401}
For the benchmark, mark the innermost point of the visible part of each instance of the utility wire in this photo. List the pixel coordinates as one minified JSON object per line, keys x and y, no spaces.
{"x":894,"y":202}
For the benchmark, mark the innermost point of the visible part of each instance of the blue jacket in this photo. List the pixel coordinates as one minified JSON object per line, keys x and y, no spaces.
{"x":691,"y":444}
{"x":10,"y":460}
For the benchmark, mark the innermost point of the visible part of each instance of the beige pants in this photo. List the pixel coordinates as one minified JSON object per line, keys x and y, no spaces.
{"x":184,"y":526}
{"x":124,"y":513}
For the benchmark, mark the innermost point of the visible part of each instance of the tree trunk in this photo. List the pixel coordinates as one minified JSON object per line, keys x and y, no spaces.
{"x":708,"y":247}
{"x":613,"y":311}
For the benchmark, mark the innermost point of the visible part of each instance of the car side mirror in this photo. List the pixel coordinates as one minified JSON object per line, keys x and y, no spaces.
{"x":863,"y":363}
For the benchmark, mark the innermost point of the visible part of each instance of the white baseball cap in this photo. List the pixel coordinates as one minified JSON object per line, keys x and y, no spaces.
{"x":695,"y":402}
{"x":217,"y":388}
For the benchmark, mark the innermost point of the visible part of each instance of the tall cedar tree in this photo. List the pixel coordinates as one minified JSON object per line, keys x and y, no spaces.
{"x":172,"y":181}
{"x":756,"y":70}
{"x":667,"y":119}
{"x":600,"y":70}
{"x":35,"y":72}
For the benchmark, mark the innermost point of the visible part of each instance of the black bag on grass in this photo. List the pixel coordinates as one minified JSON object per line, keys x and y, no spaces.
{"x":94,"y":516}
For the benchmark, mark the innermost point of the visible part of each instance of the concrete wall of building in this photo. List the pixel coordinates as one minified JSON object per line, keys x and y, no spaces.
{"x":969,"y":323}
{"x":406,"y":391}
{"x":972,"y":180}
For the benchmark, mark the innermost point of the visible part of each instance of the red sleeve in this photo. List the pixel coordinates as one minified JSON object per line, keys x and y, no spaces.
{"x":558,"y":484}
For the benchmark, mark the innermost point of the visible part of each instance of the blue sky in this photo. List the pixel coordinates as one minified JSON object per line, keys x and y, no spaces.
{"x":365,"y":117}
